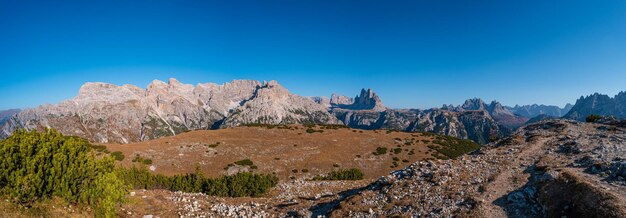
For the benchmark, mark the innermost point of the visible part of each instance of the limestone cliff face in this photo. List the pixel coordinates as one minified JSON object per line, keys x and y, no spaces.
{"x":367,"y":100}
{"x":273,"y":104}
{"x":600,"y":105}
{"x":6,"y":114}
{"x":108,"y":113}
{"x":340,"y":100}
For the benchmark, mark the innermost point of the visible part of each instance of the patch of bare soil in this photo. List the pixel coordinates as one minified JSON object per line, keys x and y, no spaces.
{"x":287,"y":152}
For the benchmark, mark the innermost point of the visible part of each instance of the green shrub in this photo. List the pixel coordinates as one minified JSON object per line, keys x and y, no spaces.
{"x":593,"y":118}
{"x":333,"y":126}
{"x":139,"y":159}
{"x":117,"y":155}
{"x":450,"y":147}
{"x":380,"y":151}
{"x":244,"y":162}
{"x":40,"y":165}
{"x":99,"y":148}
{"x":238,"y":185}
{"x":268,"y":126}
{"x":310,"y":130}
{"x":397,"y":150}
{"x":213,"y":145}
{"x":346,"y":174}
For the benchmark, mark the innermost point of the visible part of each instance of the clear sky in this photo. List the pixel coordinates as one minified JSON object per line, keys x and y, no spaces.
{"x":414,"y":54}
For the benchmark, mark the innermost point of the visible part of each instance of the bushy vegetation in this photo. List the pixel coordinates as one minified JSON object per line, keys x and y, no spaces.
{"x":333,"y":126}
{"x":397,"y":150}
{"x":117,"y":155}
{"x":380,"y":151}
{"x":592,"y":118}
{"x":42,"y":165}
{"x":238,"y":185}
{"x":346,"y":174}
{"x":214,"y":145}
{"x":244,"y":162}
{"x":99,"y":148}
{"x":268,"y":126}
{"x":139,"y":159}
{"x":310,"y":130}
{"x":448,"y":147}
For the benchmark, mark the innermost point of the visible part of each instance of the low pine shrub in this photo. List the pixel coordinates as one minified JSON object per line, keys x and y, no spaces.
{"x":346,"y":174}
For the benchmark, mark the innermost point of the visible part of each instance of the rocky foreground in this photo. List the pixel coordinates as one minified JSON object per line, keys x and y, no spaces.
{"x":553,"y":168}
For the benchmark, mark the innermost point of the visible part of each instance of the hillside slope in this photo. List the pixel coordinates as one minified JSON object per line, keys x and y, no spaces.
{"x":280,"y":150}
{"x":552,"y":168}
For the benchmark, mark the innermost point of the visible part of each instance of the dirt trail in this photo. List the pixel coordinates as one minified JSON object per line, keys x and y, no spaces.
{"x":507,"y":180}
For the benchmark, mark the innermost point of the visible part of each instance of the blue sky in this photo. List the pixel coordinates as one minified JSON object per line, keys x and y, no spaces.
{"x":414,"y":54}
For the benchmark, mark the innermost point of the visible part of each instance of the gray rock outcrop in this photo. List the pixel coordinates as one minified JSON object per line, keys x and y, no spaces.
{"x":598,"y":104}
{"x":6,"y":114}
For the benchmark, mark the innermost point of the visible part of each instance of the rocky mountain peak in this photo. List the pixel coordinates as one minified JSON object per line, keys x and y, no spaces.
{"x":338,"y":100}
{"x":173,"y":82}
{"x":599,"y":104}
{"x":324,"y":101}
{"x":474,"y":104}
{"x":497,"y":108}
{"x":367,"y":100}
{"x":272,"y":89}
{"x":271,"y":83}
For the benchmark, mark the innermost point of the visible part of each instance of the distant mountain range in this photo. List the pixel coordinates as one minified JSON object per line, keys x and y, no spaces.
{"x":6,"y":114}
{"x":598,"y":104}
{"x":531,"y":111}
{"x":109,"y":113}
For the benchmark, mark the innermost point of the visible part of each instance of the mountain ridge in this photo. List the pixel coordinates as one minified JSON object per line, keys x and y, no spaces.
{"x":108,"y":113}
{"x":598,"y":104}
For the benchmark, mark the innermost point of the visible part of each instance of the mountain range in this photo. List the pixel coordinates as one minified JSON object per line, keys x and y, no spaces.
{"x":598,"y":104}
{"x":534,"y":110}
{"x":108,"y":113}
{"x":6,"y":114}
